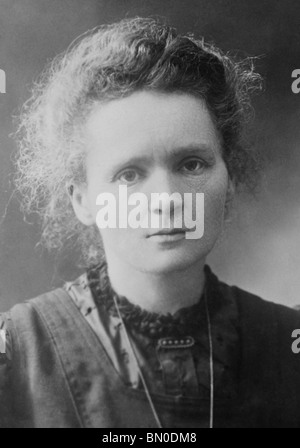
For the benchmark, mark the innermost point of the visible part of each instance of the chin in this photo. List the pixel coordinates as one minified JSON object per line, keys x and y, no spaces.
{"x":161,"y":262}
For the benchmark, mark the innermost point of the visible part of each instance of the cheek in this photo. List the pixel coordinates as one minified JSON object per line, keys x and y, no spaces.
{"x":96,"y":188}
{"x":214,"y":209}
{"x":215,"y":196}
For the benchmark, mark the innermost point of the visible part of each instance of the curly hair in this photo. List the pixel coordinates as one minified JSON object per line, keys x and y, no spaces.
{"x":113,"y":61}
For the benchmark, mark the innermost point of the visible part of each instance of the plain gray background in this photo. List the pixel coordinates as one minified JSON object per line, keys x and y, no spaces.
{"x":260,"y":251}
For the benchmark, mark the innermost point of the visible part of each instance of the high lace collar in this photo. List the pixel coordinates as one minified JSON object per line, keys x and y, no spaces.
{"x":185,"y":321}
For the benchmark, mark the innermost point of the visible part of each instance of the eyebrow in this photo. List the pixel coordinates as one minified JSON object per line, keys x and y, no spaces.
{"x":175,"y":154}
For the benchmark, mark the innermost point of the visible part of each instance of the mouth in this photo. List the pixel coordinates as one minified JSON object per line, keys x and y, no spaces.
{"x":168,"y":235}
{"x":168,"y":232}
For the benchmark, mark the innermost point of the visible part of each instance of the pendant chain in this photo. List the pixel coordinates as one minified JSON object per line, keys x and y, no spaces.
{"x":211,"y":366}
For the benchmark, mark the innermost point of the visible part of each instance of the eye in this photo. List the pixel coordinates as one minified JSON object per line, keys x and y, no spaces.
{"x":129,"y":176}
{"x":193,"y":166}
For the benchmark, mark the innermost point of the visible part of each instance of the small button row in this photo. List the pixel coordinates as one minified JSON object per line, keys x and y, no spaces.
{"x":176,"y":343}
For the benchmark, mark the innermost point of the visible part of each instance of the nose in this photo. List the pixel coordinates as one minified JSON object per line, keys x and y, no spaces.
{"x":163,"y":194}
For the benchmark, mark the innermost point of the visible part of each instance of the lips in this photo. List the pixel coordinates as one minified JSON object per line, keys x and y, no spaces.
{"x":168,"y":232}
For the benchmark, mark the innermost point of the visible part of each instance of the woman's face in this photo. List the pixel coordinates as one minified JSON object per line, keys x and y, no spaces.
{"x":154,"y":143}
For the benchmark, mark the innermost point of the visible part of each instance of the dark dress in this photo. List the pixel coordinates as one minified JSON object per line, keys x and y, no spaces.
{"x":67,"y":361}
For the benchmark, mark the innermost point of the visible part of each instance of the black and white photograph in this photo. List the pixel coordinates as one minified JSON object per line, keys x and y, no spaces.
{"x":149,"y":216}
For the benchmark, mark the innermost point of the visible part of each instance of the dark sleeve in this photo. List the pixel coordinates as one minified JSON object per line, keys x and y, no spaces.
{"x":5,"y":374}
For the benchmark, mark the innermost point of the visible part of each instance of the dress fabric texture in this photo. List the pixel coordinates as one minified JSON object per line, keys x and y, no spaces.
{"x":67,"y":362}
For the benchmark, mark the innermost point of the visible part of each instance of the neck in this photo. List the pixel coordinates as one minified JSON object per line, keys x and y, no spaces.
{"x":158,"y":292}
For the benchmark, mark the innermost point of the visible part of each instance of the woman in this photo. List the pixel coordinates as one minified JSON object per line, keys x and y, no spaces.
{"x":148,"y":336}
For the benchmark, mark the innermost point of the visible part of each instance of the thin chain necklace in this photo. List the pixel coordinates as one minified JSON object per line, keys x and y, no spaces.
{"x":211,"y":365}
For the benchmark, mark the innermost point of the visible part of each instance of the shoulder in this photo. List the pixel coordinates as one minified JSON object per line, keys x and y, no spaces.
{"x":27,"y":328}
{"x":33,"y":322}
{"x":248,"y":302}
{"x":26,"y":321}
{"x":262,"y":309}
{"x":28,"y":343}
{"x":254,"y":311}
{"x":52,"y":299}
{"x":269,"y":333}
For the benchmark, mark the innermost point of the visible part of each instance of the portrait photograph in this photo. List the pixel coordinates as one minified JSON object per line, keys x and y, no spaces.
{"x":149,"y":216}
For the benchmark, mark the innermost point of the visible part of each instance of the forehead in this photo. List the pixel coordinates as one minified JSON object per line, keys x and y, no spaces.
{"x":149,"y":123}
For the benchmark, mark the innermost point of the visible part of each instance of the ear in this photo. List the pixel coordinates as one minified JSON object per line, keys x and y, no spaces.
{"x":80,"y":203}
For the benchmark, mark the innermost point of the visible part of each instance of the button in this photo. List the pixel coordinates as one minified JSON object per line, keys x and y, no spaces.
{"x":176,"y":343}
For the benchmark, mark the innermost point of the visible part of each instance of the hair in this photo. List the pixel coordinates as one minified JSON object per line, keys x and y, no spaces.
{"x":110,"y":62}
